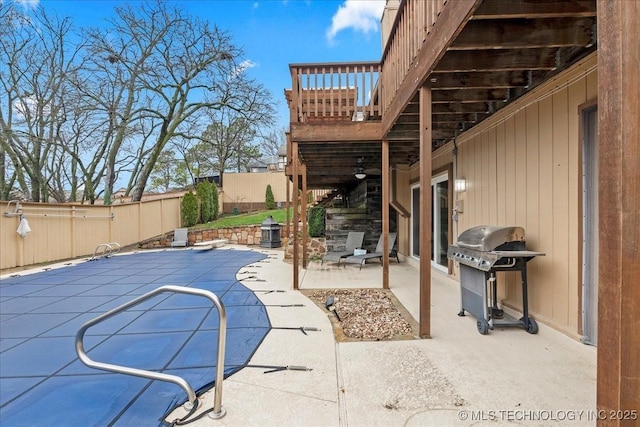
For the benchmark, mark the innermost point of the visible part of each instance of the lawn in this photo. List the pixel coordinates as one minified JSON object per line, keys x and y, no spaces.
{"x":255,"y":218}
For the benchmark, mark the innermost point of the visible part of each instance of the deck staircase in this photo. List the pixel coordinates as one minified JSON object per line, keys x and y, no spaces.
{"x":328,"y":198}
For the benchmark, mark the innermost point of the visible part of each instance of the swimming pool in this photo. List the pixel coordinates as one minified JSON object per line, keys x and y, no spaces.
{"x":42,"y":382}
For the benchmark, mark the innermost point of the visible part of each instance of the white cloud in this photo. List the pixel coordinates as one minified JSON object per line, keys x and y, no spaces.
{"x":359,"y":15}
{"x":28,"y":4}
{"x":242,"y":67}
{"x":247,"y":63}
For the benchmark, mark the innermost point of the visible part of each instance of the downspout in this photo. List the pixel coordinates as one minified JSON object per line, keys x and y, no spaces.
{"x":456,"y":194}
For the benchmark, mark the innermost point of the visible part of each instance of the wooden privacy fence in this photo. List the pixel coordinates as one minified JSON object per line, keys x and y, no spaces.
{"x":63,"y":231}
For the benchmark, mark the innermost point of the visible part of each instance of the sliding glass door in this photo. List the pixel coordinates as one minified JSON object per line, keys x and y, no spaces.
{"x":439,"y":221}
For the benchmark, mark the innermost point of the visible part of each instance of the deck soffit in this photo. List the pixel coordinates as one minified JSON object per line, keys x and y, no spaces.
{"x":501,"y":51}
{"x":481,"y":56}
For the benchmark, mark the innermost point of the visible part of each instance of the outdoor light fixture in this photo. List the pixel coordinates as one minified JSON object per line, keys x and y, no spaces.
{"x":460,"y":185}
{"x":359,"y":172}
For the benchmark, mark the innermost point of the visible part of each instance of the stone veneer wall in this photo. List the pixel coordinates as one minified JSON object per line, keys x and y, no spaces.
{"x":316,"y":248}
{"x":247,"y":235}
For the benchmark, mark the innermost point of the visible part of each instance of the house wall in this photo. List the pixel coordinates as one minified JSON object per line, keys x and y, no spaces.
{"x":523,"y":167}
{"x":401,"y":193}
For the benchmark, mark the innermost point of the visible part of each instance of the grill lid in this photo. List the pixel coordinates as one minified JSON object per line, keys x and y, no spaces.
{"x":488,"y":237}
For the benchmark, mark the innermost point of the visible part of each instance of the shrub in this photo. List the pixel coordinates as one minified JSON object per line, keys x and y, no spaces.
{"x":204,"y":198}
{"x":190,"y":212}
{"x":215,"y":202}
{"x":316,"y":222}
{"x":269,"y":200}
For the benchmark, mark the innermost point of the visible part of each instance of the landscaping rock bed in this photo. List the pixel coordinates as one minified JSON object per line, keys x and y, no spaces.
{"x":366,"y":314}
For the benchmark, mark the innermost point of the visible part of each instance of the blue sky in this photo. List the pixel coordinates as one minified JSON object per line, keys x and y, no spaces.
{"x":272,"y":33}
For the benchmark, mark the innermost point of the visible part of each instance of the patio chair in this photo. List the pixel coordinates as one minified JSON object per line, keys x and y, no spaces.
{"x":180,"y":237}
{"x":354,"y":241}
{"x":361,"y":259}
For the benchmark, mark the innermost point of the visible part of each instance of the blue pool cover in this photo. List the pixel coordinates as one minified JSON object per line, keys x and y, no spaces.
{"x":42,"y":382}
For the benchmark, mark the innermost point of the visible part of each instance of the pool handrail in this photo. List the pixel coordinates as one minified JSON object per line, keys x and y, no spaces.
{"x":218,"y":411}
{"x":107,"y":249}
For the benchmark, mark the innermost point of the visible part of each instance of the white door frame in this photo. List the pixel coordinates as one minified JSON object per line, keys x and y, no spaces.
{"x":435,"y":218}
{"x":414,"y":216}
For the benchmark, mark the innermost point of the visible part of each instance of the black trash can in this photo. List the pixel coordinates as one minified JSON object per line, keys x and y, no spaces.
{"x":270,"y":237}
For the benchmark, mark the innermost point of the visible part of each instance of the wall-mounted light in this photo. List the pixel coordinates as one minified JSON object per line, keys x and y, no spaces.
{"x":460,"y":185}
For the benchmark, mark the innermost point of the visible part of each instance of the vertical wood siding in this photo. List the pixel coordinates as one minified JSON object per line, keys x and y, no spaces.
{"x":523,"y":167}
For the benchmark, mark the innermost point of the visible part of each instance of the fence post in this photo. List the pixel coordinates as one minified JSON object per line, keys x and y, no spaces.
{"x":73,"y":231}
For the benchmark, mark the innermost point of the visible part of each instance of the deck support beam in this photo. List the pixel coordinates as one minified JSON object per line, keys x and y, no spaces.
{"x":303,"y":212}
{"x":618,"y":379}
{"x":385,"y":214}
{"x":296,"y":216}
{"x":425,"y":212}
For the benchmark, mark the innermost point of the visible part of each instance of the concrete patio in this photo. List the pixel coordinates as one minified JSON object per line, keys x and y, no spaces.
{"x":456,"y":378}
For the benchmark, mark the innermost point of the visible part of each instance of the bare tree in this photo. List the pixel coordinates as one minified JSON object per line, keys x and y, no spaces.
{"x":272,"y":141}
{"x":164,"y":69}
{"x":74,"y":125}
{"x":198,"y":159}
{"x":35,"y":90}
{"x":233,"y":128}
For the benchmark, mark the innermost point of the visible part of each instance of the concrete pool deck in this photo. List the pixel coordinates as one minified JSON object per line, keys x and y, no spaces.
{"x":456,"y":378}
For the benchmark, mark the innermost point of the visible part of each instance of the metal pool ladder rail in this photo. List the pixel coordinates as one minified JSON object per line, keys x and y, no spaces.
{"x":218,"y":411}
{"x":108,"y":249}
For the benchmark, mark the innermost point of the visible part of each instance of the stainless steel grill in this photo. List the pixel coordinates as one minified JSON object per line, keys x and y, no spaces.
{"x":482,"y":251}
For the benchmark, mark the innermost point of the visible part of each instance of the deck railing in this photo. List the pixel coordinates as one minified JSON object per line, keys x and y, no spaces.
{"x":334,"y":92}
{"x":350,"y":91}
{"x":413,"y":22}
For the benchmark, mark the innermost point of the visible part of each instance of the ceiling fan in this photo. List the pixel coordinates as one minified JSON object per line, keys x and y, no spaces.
{"x":360,"y":172}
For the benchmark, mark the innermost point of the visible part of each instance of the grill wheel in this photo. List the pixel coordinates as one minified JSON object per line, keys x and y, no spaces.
{"x":531,"y":325}
{"x":483,"y":326}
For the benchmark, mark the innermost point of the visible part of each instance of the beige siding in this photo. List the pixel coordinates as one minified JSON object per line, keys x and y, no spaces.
{"x":523,"y":167}
{"x":402,"y":194}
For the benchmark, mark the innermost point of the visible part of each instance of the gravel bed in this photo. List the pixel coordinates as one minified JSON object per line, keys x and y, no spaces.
{"x":366,"y":314}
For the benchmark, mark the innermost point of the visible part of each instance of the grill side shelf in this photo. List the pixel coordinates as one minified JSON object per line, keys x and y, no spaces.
{"x":518,"y":254}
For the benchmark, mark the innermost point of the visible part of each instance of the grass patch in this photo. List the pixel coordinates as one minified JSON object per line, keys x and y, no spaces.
{"x":255,"y":218}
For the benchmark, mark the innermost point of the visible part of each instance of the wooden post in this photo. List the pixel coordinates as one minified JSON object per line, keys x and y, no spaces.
{"x":618,"y":379}
{"x":303,"y":212}
{"x":296,"y":217}
{"x":385,"y":213}
{"x":73,"y":231}
{"x":425,"y":212}
{"x":288,"y":205}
